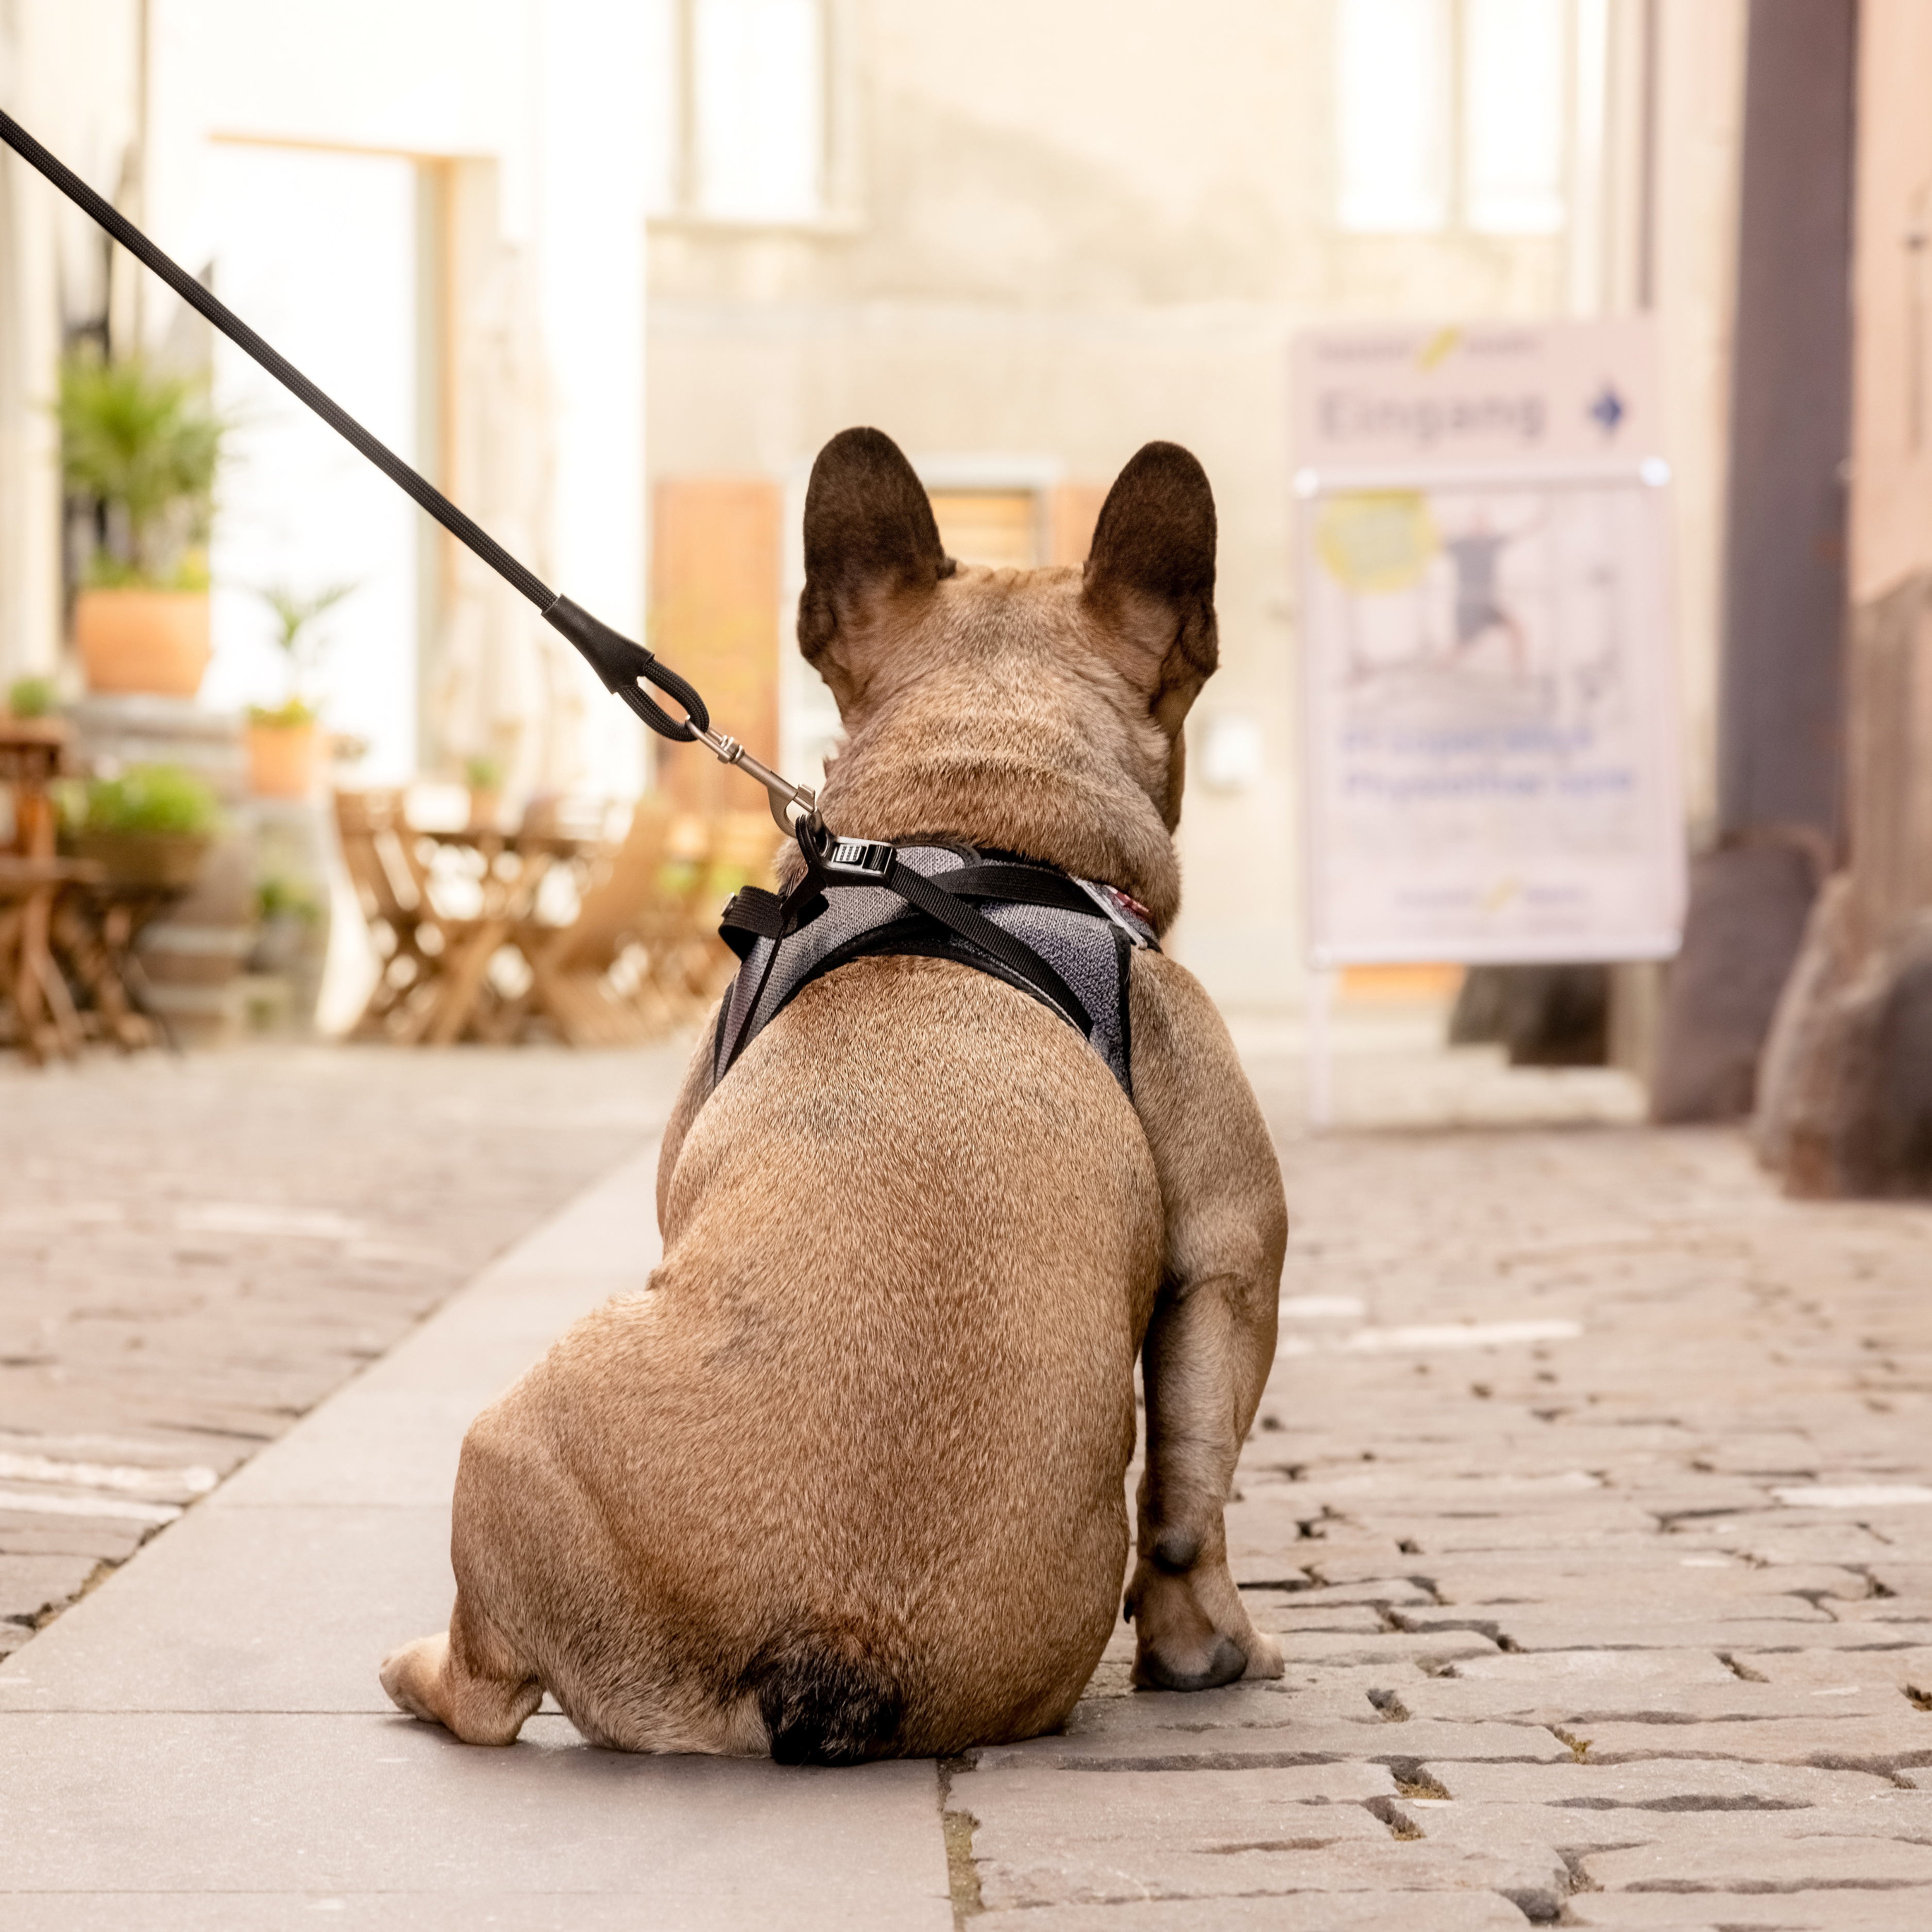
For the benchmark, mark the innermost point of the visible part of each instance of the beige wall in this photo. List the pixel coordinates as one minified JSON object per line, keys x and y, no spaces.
{"x":1699,"y":124}
{"x":67,"y":74}
{"x":1079,"y":226}
{"x":1889,"y":761}
{"x":1892,"y":429}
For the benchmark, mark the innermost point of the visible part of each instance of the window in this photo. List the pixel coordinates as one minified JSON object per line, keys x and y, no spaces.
{"x":1453,"y":112}
{"x":1514,"y":100}
{"x":1393,"y":106}
{"x":737,"y":97}
{"x":1000,"y":527}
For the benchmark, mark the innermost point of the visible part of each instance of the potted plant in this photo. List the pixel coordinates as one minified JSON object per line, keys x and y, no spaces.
{"x":150,"y":825}
{"x":142,"y":449}
{"x":283,"y":742}
{"x":30,"y":699}
{"x":484,"y":774}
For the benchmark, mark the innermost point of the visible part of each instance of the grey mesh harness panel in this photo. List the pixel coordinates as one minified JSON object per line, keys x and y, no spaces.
{"x":1089,"y":951}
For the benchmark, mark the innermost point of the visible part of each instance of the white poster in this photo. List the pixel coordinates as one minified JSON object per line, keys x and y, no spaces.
{"x":1490,"y":745}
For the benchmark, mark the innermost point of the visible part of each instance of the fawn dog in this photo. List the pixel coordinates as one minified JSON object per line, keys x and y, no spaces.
{"x":846,"y":1481}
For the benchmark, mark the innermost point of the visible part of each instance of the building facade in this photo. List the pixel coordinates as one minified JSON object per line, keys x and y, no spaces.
{"x":1024,"y":240}
{"x":435,"y":208}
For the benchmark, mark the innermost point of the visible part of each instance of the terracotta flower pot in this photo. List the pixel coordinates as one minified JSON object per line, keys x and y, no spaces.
{"x":150,"y":640}
{"x":171,"y":860}
{"x":282,"y":759}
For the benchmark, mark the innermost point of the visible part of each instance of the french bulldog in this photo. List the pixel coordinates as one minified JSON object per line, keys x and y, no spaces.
{"x":847,"y":1480}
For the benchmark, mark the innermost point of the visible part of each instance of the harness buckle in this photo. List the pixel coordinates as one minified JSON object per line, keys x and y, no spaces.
{"x":867,"y":859}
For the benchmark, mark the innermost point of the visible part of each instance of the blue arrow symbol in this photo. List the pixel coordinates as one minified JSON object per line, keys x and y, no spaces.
{"x":1607,"y":411}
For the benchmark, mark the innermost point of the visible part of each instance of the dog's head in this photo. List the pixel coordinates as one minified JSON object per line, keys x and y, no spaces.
{"x":1036,"y":711}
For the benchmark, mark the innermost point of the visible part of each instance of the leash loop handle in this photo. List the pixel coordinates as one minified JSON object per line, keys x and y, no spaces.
{"x":622,"y":665}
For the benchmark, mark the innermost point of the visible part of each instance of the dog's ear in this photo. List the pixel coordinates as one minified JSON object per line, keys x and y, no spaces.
{"x":1150,"y":579}
{"x":872,"y":551}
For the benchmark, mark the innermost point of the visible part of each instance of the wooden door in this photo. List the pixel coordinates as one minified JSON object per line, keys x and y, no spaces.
{"x":715,"y":615}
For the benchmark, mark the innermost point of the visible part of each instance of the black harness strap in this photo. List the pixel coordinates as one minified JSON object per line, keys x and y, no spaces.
{"x":1023,"y":885}
{"x":752,"y":913}
{"x":936,"y":901}
{"x":939,"y":920}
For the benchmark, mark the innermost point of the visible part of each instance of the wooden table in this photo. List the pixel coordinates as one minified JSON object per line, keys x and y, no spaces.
{"x":95,"y":929}
{"x":509,"y":870}
{"x":32,"y":751}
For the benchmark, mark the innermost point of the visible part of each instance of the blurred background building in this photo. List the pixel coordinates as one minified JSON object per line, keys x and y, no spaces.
{"x":435,"y":209}
{"x":1022,"y":239}
{"x":1025,"y":240}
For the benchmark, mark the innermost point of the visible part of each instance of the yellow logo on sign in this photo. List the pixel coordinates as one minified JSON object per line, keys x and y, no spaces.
{"x":1376,"y":540}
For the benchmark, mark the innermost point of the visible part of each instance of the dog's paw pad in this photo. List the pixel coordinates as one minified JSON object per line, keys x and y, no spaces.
{"x":1264,"y":1657}
{"x":1222,"y":1664}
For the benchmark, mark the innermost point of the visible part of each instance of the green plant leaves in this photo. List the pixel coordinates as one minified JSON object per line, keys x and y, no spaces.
{"x":150,"y":798}
{"x":146,"y":446}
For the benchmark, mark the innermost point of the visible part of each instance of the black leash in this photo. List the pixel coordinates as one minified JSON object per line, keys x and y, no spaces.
{"x":623,"y":667}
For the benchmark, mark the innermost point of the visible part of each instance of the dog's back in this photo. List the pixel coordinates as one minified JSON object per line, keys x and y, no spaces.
{"x":878,"y":1400}
{"x":847,"y":1480}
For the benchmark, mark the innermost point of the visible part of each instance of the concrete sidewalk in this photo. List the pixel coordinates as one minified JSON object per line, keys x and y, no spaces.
{"x":201,"y":1742}
{"x":194,"y":1252}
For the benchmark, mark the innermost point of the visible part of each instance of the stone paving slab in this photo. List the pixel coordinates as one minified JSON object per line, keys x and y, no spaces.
{"x":1853,"y":1848}
{"x":202,"y":1740}
{"x":1267,"y":1730}
{"x":309,"y":1594}
{"x":1893,"y":1816}
{"x":1841,"y":1910}
{"x":1888,"y":1741}
{"x":1620,"y":1646}
{"x":516,"y":1910}
{"x":197,"y":1251}
{"x":1793,"y":1856}
{"x":1694,"y":1784}
{"x":1531,"y":1874}
{"x":1319,"y":1910}
{"x":1827,"y":1674}
{"x":350,"y":1806}
{"x":1657,"y":1705}
{"x":1216,"y":1829}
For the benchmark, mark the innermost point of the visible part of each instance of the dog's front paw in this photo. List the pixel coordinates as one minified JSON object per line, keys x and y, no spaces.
{"x":1199,"y":1666}
{"x":1179,"y":1647}
{"x":411,"y":1675}
{"x":1194,"y":1631}
{"x":1264,"y":1657}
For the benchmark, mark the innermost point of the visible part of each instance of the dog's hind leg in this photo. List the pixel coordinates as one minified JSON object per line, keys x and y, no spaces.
{"x":1211,"y":1341}
{"x":465,"y":1679}
{"x":1194,"y":1630}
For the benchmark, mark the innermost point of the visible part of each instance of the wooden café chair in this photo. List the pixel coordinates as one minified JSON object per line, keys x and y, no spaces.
{"x":392,"y":888}
{"x":577,"y":979}
{"x":36,"y":1010}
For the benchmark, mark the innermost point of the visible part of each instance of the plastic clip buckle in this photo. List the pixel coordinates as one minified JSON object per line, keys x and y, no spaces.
{"x":866,"y":859}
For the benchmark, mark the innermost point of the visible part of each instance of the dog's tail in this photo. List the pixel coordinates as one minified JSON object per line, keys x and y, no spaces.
{"x":826,"y":1698}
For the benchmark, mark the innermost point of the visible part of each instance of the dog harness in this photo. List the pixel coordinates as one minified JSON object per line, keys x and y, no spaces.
{"x":1064,"y":941}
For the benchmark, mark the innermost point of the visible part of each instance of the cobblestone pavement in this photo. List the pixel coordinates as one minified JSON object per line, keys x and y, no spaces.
{"x":1591,"y":1501}
{"x":194,"y":1253}
{"x":1592,"y":1498}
